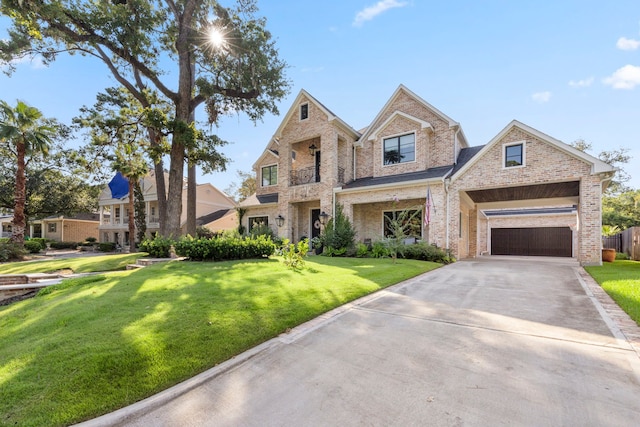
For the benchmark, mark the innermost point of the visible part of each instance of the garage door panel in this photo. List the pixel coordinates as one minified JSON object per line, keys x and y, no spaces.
{"x":542,"y":241}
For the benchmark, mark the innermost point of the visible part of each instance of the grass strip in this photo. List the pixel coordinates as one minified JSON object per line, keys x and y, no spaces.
{"x":103,"y":342}
{"x":621,"y":280}
{"x":86,"y":264}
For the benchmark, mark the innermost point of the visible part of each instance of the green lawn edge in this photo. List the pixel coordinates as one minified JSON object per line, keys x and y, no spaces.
{"x":85,"y":264}
{"x":621,"y":280}
{"x":103,"y":342}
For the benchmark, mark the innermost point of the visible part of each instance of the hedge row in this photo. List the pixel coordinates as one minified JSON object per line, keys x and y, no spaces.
{"x":226,"y":248}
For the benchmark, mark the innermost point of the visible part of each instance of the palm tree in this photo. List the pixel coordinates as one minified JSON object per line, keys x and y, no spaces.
{"x":23,"y":132}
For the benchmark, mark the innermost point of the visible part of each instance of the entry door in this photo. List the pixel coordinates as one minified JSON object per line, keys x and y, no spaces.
{"x":318,"y":167}
{"x":315,"y":223}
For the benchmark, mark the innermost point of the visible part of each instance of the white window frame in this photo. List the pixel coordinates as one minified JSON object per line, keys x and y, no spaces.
{"x":524,"y":154}
{"x":300,"y":111}
{"x":415,"y":148}
{"x":262,"y":168}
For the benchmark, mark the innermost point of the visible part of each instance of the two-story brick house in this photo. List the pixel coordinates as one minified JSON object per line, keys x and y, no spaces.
{"x":523,"y":193}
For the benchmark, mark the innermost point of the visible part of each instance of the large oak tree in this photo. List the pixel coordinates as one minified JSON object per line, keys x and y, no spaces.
{"x":164,"y":45}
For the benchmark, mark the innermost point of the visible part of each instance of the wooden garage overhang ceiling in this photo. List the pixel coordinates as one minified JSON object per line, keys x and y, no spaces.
{"x":526,"y":192}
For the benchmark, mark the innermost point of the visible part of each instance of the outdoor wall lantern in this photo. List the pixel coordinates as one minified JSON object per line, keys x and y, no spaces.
{"x":324,"y":217}
{"x":312,"y":149}
{"x":280,"y":220}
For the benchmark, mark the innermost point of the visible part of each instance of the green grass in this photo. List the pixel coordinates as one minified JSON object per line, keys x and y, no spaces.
{"x":99,"y":343}
{"x":87,"y":264}
{"x":621,"y":280}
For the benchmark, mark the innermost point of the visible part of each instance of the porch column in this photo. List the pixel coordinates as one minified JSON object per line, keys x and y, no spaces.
{"x":590,"y":217}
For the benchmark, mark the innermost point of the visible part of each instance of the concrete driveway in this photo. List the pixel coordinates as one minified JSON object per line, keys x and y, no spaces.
{"x":483,"y":342}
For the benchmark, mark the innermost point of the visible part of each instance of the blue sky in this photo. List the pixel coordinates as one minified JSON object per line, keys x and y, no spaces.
{"x":570,"y":69}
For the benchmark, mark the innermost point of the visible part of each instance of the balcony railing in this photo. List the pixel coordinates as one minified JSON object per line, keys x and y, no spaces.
{"x":154,"y":220}
{"x":308,"y":176}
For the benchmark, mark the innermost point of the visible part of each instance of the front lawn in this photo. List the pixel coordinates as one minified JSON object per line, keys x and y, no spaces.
{"x":87,"y":264}
{"x":621,"y":280}
{"x":99,"y":343}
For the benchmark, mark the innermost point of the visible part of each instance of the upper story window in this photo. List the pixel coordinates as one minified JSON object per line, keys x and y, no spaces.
{"x":399,"y":149}
{"x":269,"y":175}
{"x":514,"y":155}
{"x":304,"y":111}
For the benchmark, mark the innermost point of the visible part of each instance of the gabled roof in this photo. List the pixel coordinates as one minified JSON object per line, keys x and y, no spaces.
{"x":293,"y":110}
{"x":405,"y":178}
{"x":597,"y":165}
{"x":331,"y":117}
{"x":264,"y":154}
{"x":402,"y":88}
{"x":423,"y":124}
{"x":465,"y":155}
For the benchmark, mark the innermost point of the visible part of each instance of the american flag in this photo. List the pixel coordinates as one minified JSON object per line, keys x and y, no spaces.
{"x":427,"y":207}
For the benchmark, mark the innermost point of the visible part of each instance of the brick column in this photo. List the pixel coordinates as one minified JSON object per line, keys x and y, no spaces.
{"x":590,"y":221}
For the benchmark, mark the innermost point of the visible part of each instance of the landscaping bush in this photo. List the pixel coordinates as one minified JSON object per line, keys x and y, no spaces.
{"x":11,"y":252}
{"x":622,"y":256}
{"x":41,"y":241}
{"x":379,"y":250}
{"x":225,"y":248}
{"x":106,"y":247}
{"x":426,"y":252}
{"x":205,"y":233}
{"x":63,"y":245}
{"x":362,"y":250}
{"x":91,"y":239}
{"x":32,"y":246}
{"x":338,"y":236}
{"x":159,"y":247}
{"x":294,"y":254}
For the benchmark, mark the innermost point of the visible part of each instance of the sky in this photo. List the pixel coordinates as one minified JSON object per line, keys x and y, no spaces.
{"x":570,"y":69}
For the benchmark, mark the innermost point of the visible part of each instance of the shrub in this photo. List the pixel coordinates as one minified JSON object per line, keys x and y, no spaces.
{"x":425,"y":252}
{"x":294,"y":254}
{"x":64,"y":245}
{"x":32,"y":246}
{"x":622,"y":256}
{"x":91,"y":239}
{"x":205,"y":233}
{"x":261,"y":229}
{"x":41,"y":241}
{"x":224,"y":248}
{"x":338,"y":236}
{"x":106,"y":247}
{"x":362,"y":250}
{"x":379,"y":250}
{"x":11,"y":252}
{"x":159,"y":247}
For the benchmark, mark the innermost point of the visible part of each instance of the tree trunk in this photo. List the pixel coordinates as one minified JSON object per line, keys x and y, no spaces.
{"x":161,"y":189}
{"x":19,"y":223}
{"x":184,"y":112}
{"x":191,"y":201}
{"x":132,"y":224}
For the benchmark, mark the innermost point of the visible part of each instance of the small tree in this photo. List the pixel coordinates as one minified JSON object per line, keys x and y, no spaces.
{"x":401,"y":227}
{"x":338,"y":236}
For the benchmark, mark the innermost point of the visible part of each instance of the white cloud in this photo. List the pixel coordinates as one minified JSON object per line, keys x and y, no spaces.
{"x":627,"y":44}
{"x":582,"y":83}
{"x":541,"y":97}
{"x":627,"y":77}
{"x":368,"y":13}
{"x":35,"y":61}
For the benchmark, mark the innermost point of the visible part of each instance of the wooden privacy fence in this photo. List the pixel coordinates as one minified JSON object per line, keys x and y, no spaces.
{"x":627,"y":241}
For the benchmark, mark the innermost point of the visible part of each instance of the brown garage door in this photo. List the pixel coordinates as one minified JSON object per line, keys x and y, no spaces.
{"x":543,"y":241}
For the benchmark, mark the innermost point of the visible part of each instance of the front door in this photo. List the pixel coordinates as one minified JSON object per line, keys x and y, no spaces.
{"x":315,"y":223}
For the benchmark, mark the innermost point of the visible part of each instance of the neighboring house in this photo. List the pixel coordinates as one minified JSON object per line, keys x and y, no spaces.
{"x":523,"y":193}
{"x":5,"y":225}
{"x":114,"y":212}
{"x":59,"y":227}
{"x":67,"y":228}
